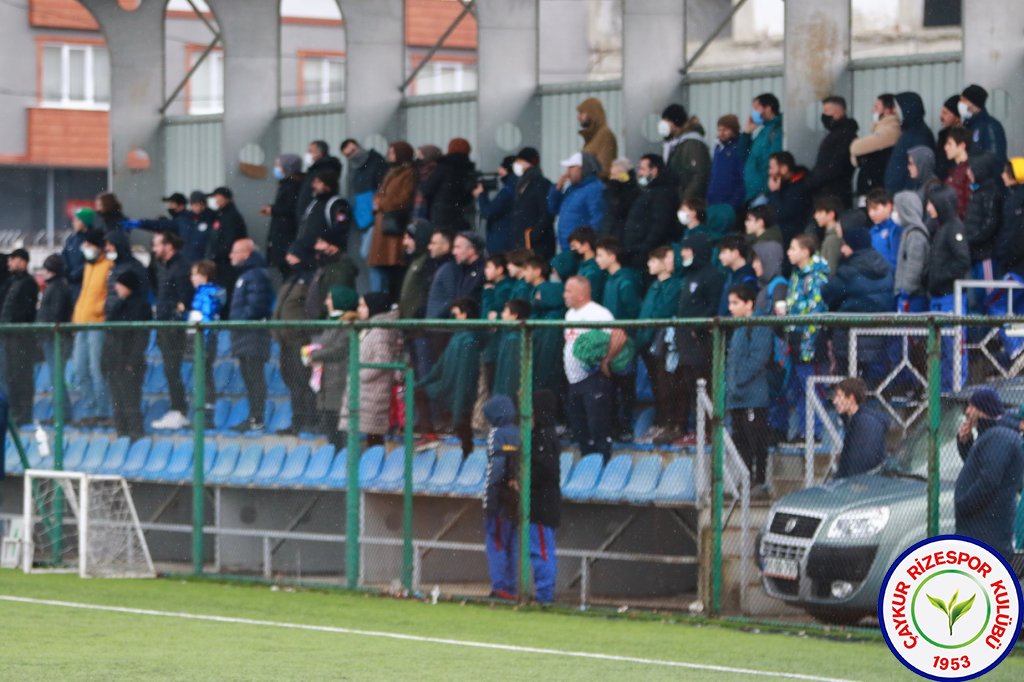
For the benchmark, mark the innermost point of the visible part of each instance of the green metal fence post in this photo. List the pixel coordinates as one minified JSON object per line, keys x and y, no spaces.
{"x":198,"y":444}
{"x":58,"y":401}
{"x":352,"y":501}
{"x":934,"y":419}
{"x":526,"y":435}
{"x":410,"y":387}
{"x":718,"y":457}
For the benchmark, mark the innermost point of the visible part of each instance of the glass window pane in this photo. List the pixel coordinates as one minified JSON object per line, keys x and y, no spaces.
{"x":336,"y":71}
{"x":101,"y":74}
{"x":312,"y":71}
{"x":199,"y":87}
{"x":52,"y":73}
{"x":76,"y":75}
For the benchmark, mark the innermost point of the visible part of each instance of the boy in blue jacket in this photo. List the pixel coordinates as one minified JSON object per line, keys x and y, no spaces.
{"x":207,"y":303}
{"x":501,"y":497}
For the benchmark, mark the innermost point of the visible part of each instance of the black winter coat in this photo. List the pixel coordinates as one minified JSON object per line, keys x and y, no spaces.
{"x":173,"y":287}
{"x":228,"y":227}
{"x":863,"y":283}
{"x":20,"y":301}
{"x":915,"y":133}
{"x":124,"y":349}
{"x":531,"y":221}
{"x":618,"y":200}
{"x":253,"y":300}
{"x":950,"y":256}
{"x":1010,"y":244}
{"x":792,"y":204}
{"x":545,"y":467}
{"x":449,"y":191}
{"x":863,"y":443}
{"x":323,"y":212}
{"x":125,"y":262}
{"x":284,"y":219}
{"x":984,"y":215}
{"x":367,"y":176}
{"x":699,"y":296}
{"x":305,"y":193}
{"x":651,"y":221}
{"x":57,"y":303}
{"x":832,"y":174}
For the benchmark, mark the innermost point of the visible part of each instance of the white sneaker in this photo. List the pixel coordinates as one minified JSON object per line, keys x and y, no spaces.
{"x":172,"y":421}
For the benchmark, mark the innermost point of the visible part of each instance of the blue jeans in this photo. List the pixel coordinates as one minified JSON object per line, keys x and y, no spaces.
{"x":944,"y":304}
{"x":89,"y":379}
{"x":796,"y":395}
{"x":501,"y":543}
{"x":48,"y":357}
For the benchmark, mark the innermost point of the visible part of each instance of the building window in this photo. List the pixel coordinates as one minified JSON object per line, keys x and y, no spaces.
{"x":441,"y":76}
{"x":76,"y":76}
{"x":206,"y":86}
{"x":323,"y":80}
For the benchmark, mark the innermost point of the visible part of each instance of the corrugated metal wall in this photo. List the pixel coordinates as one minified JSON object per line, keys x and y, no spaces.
{"x":194,"y":153}
{"x":435,"y":119}
{"x":934,"y":77}
{"x":299,"y":127}
{"x":711,"y":96}
{"x":559,"y":134}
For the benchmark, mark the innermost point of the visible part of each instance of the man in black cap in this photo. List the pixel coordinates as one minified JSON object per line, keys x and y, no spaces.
{"x":334,"y":268}
{"x":189,"y":221}
{"x":684,"y":151}
{"x":949,"y":118}
{"x":19,"y":307}
{"x":468,"y":250}
{"x":325,"y":211}
{"x":228,"y":227}
{"x":55,"y":307}
{"x":532,"y":223}
{"x":988,"y":485}
{"x":124,"y":350}
{"x":987,"y":134}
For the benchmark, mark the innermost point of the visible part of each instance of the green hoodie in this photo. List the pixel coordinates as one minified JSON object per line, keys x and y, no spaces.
{"x":452,"y":381}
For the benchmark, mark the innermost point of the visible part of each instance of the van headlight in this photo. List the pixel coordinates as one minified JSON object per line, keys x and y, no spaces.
{"x":862,"y":523}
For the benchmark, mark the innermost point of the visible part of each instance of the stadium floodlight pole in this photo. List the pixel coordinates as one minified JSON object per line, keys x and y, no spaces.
{"x":718,"y":456}
{"x":526,"y":436}
{"x":934,"y":421}
{"x":410,"y":406}
{"x":352,"y":452}
{"x":198,"y":443}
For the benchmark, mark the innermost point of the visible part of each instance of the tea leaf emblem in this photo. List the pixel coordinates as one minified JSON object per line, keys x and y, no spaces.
{"x":954,"y":611}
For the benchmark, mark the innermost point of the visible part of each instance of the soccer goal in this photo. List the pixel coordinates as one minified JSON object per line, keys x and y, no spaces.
{"x":82,"y":522}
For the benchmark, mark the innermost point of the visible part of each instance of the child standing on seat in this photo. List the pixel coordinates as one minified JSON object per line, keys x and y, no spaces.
{"x":501,"y":497}
{"x":207,"y":304}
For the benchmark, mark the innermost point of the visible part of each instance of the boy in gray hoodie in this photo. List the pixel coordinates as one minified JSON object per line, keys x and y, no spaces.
{"x":912,"y":258}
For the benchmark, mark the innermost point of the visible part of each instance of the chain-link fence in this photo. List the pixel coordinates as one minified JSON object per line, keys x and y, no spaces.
{"x":722,"y":474}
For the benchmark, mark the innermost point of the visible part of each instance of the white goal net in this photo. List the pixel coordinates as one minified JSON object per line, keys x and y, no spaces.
{"x":75,"y":522}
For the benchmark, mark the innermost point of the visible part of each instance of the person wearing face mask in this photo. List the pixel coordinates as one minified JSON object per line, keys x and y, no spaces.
{"x":55,"y":307}
{"x":577,"y":198}
{"x":532,"y":223}
{"x":317,"y":158}
{"x":285,"y":213}
{"x":81,"y":223}
{"x":652,"y":220}
{"x":832,"y":174}
{"x":88,"y":346}
{"x":870,"y":153}
{"x":987,"y":133}
{"x":598,"y":138}
{"x":19,"y":307}
{"x":326,"y":211}
{"x":620,"y":192}
{"x":364,"y":171}
{"x":949,"y":119}
{"x":124,"y":351}
{"x":327,"y":356}
{"x":761,"y":138}
{"x":987,"y":487}
{"x":334,"y":267}
{"x":684,"y":151}
{"x":914,"y":132}
{"x":227,"y":228}
{"x":725,"y":185}
{"x":497,"y":210}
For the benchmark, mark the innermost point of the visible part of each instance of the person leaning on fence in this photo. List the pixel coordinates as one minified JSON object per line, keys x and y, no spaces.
{"x":987,"y":488}
{"x":747,"y":367}
{"x":863,"y":429}
{"x":911,"y":276}
{"x":807,"y":344}
{"x":508,"y":362}
{"x":501,"y":496}
{"x":90,"y":379}
{"x":327,"y":355}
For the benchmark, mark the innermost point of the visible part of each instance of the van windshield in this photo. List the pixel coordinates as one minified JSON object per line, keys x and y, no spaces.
{"x":911,"y":459}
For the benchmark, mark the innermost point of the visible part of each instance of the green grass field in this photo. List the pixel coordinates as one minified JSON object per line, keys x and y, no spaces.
{"x":58,"y":642}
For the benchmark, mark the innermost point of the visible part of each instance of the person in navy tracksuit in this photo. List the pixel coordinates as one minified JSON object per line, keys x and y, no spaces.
{"x":501,"y":497}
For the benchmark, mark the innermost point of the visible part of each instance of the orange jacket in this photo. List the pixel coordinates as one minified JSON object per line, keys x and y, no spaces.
{"x":89,"y":306}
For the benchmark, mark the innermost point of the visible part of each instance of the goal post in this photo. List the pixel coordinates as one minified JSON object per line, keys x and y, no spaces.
{"x":84,"y":523}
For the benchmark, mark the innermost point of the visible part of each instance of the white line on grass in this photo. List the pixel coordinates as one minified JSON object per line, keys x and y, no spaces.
{"x":415,"y":638}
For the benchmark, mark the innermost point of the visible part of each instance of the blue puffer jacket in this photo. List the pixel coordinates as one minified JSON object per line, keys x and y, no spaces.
{"x":253,"y":300}
{"x":503,"y":449}
{"x":988,"y":486}
{"x":580,"y":205}
{"x":916,"y":133}
{"x":746,"y":368}
{"x":863,"y":283}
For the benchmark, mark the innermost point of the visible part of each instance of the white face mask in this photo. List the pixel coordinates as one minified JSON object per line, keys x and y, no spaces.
{"x":211,"y":203}
{"x":307,"y":160}
{"x":664,"y":129}
{"x":876,"y":117}
{"x":90,"y":252}
{"x":962,"y":109}
{"x":643,"y":180}
{"x":896,"y":217}
{"x":687,"y":261}
{"x":684,"y":217}
{"x":337,"y":313}
{"x":518,"y":169}
{"x":111,"y":255}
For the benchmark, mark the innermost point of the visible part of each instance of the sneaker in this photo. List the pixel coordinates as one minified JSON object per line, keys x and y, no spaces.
{"x":250,"y":424}
{"x":172,"y":421}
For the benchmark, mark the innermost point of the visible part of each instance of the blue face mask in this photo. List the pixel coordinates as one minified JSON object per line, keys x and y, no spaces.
{"x":756,"y":117}
{"x":974,"y":186}
{"x":278,"y":173}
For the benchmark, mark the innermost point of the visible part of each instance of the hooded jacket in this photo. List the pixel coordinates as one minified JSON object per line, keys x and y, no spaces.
{"x":746,"y":367}
{"x":19,"y":303}
{"x":532,"y":223}
{"x":772,"y":286}
{"x":618,"y":199}
{"x":804,"y":298}
{"x":871,"y":153}
{"x":579,"y":205}
{"x":412,"y":301}
{"x":950,"y":256}
{"x":911,"y":276}
{"x":987,"y":135}
{"x":689,"y":160}
{"x":863,"y":443}
{"x":863,"y":283}
{"x":503,"y":451}
{"x":755,"y":151}
{"x":452,"y":382}
{"x":252,"y":300}
{"x":924,"y":159}
{"x":699,"y":296}
{"x":285,"y":214}
{"x":449,"y":190}
{"x":598,"y":139}
{"x":987,"y":488}
{"x":621,"y":294}
{"x":659,"y":303}
{"x":792,"y":203}
{"x":725,"y":184}
{"x":1010,"y":244}
{"x":90,"y":304}
{"x":125,"y":261}
{"x":984,"y":214}
{"x":832,"y":174}
{"x":651,"y":222}
{"x":545,"y":462}
{"x":914,"y":133}
{"x":227,"y":228}
{"x":497,"y":211}
{"x":305,"y":189}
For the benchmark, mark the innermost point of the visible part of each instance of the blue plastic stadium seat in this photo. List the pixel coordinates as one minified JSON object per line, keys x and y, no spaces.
{"x":275,"y":350}
{"x":12,"y":462}
{"x":248,"y":464}
{"x":369,"y":464}
{"x":155,"y":381}
{"x":221,"y":413}
{"x":643,"y":481}
{"x":159,"y":457}
{"x":116,"y":455}
{"x":42,"y":410}
{"x":643,"y":422}
{"x":275,"y":382}
{"x":580,"y":485}
{"x":94,"y":455}
{"x":282,"y":417}
{"x":270,"y":466}
{"x":565,"y":462}
{"x":74,"y":453}
{"x":318,"y":467}
{"x":239,"y":413}
{"x":446,"y":471}
{"x":133,"y":462}
{"x":43,"y":380}
{"x":676,"y":483}
{"x":294,"y":466}
{"x":336,"y":476}
{"x":227,"y":458}
{"x":614,"y":478}
{"x":152,"y":349}
{"x":179,"y":468}
{"x":223,"y":343}
{"x":390,"y":476}
{"x":186,"y":373}
{"x":222,"y":373}
{"x":471,"y":477}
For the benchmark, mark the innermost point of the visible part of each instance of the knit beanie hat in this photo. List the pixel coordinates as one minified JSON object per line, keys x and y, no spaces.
{"x":54,"y":263}
{"x":950,"y":105}
{"x":857,"y":238}
{"x":94,"y":237}
{"x":86,"y":215}
{"x":987,"y":401}
{"x":731,"y":122}
{"x":344,"y":298}
{"x":976,"y":95}
{"x":459,"y":145}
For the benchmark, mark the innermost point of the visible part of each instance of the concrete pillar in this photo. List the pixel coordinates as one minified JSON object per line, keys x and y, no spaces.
{"x":563,"y":51}
{"x":652,"y":55}
{"x":817,"y":54}
{"x":251,"y":33}
{"x":508,"y":108}
{"x":136,"y":43}
{"x":375,"y":64}
{"x":993,"y":57}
